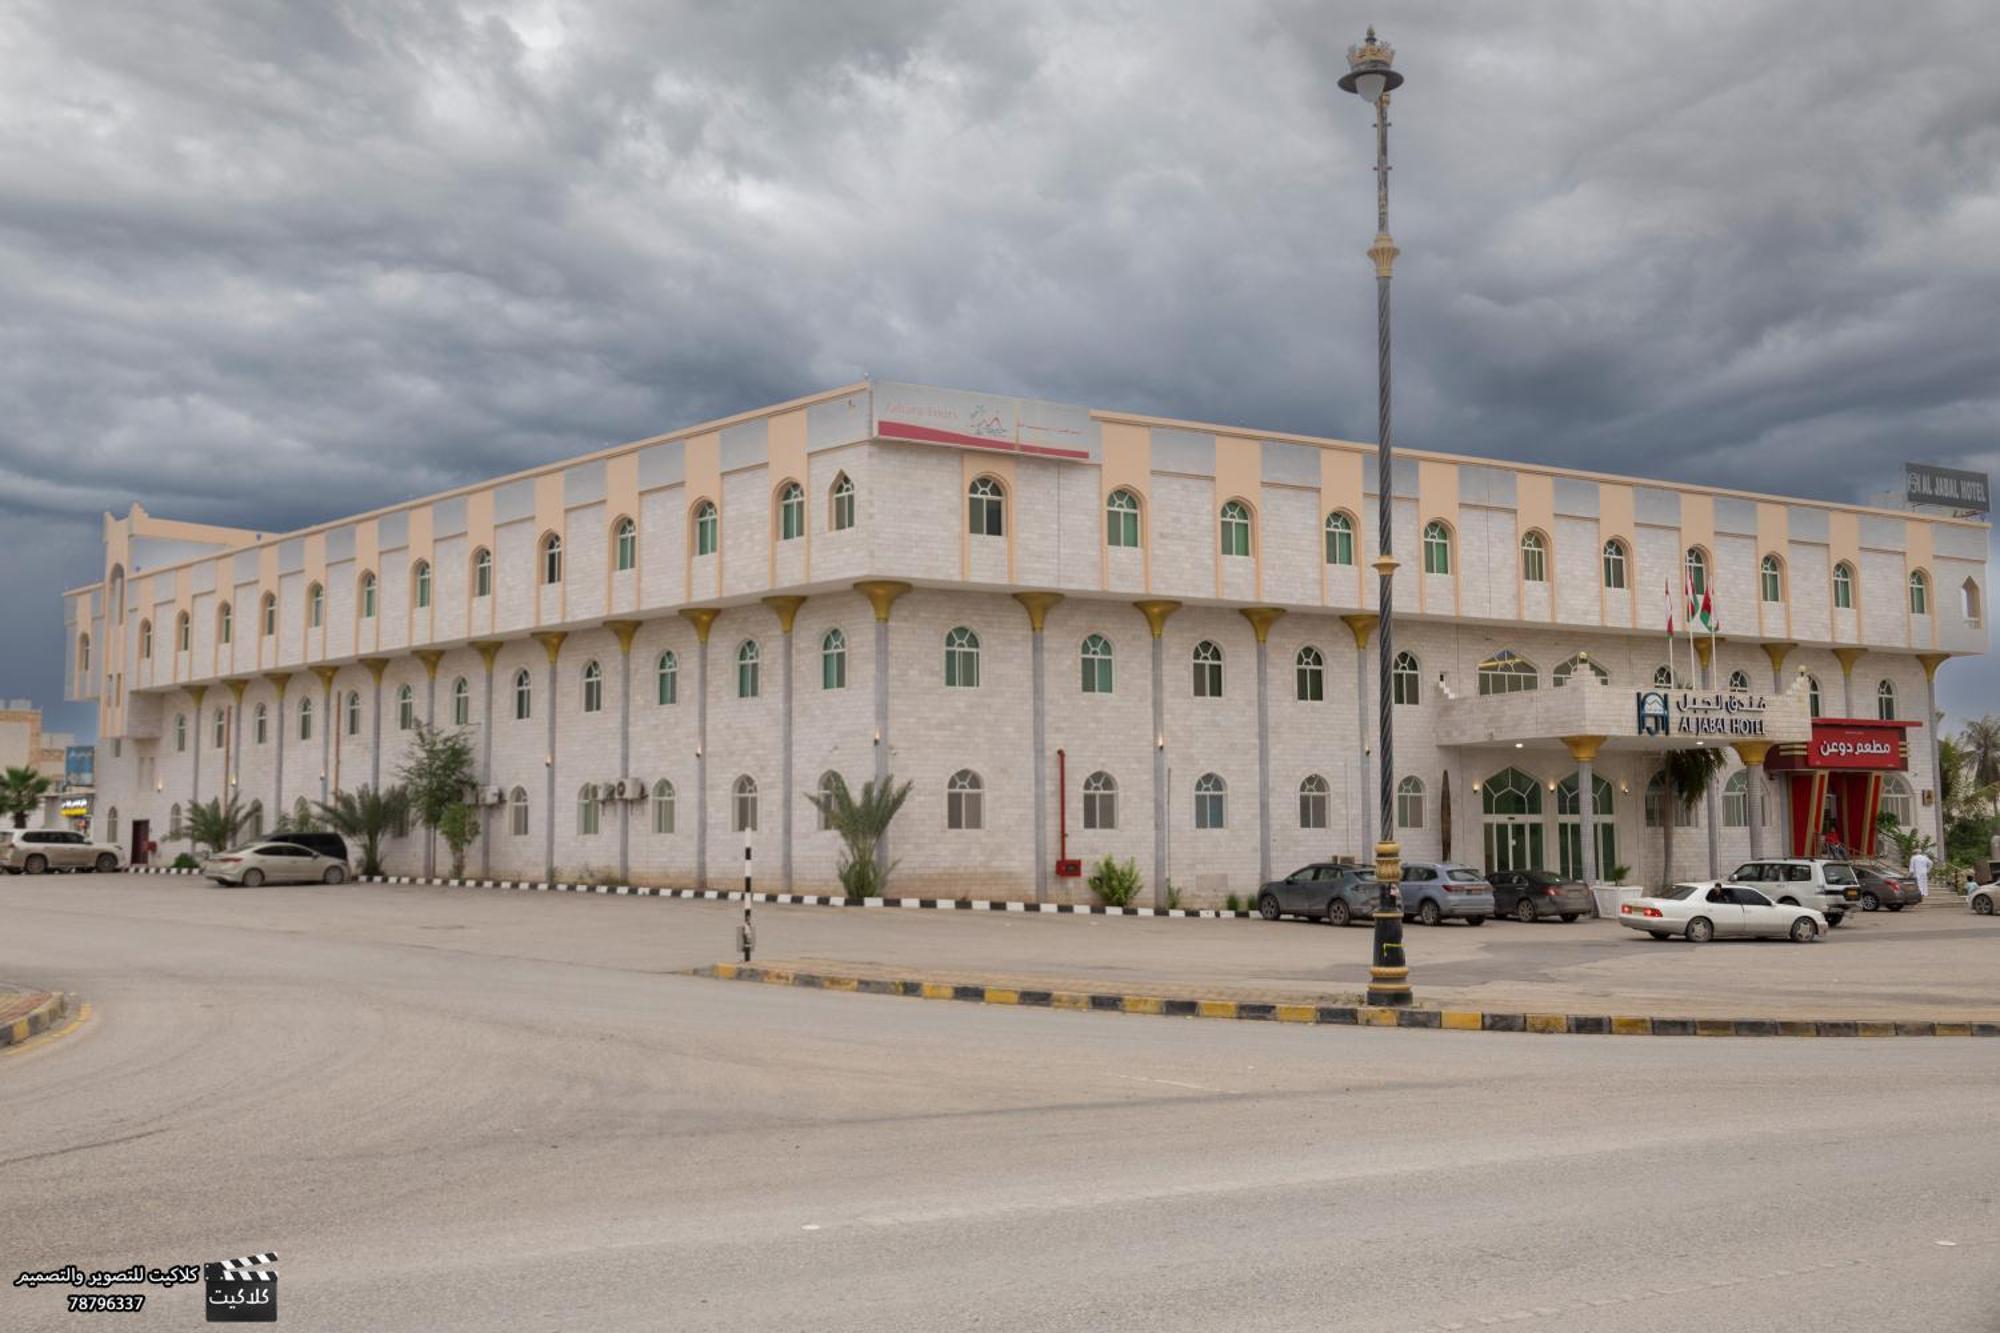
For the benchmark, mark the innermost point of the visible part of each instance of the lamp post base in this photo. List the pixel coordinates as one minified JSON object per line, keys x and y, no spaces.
{"x":1388,"y":975}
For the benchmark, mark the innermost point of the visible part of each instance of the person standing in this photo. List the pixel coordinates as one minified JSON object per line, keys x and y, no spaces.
{"x":1920,"y":870}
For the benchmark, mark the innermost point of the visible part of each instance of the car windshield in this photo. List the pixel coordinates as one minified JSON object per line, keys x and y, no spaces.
{"x":1460,"y":875}
{"x":1680,"y":891}
{"x":1839,"y":872}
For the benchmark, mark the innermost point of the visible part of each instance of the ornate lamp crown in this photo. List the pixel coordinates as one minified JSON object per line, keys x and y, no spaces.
{"x":1371,"y":53}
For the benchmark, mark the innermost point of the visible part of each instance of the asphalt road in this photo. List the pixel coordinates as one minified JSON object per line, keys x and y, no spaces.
{"x":499,"y":1111}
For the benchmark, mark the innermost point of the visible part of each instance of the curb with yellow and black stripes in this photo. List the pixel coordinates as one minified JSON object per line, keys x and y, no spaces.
{"x":50,"y":1013}
{"x":1339,"y":1015}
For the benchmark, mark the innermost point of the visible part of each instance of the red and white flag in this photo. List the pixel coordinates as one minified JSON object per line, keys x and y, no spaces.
{"x":1667,"y":591}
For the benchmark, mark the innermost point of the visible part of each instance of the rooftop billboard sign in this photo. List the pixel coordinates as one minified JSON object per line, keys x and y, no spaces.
{"x":1924,"y":484}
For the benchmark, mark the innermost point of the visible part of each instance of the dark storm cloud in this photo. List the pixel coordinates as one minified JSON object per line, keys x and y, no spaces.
{"x":267,"y":264}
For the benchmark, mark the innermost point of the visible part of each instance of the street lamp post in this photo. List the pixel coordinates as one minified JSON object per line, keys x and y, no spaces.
{"x":1370,"y":75}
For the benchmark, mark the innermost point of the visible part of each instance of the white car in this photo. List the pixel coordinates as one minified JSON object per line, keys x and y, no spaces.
{"x":37,"y":851}
{"x":1703,"y":912}
{"x":273,"y":862}
{"x":1984,"y":899}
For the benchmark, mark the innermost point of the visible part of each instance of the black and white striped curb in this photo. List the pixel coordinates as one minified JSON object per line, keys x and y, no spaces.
{"x":786,"y":899}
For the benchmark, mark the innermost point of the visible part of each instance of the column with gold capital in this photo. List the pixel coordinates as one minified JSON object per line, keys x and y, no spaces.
{"x":1261,"y":619}
{"x":624,"y":630}
{"x":786,"y":608}
{"x":1037,"y":605}
{"x":552,"y":642}
{"x":703,"y":620}
{"x":1156,"y":612}
{"x":882,"y":595}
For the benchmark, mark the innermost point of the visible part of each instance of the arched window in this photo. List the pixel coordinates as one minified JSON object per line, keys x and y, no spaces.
{"x":624,"y":544}
{"x":961,"y":659}
{"x":986,"y":508}
{"x":667,"y":678}
{"x":1121,"y":518}
{"x":1843,"y":586}
{"x":1885,"y":701}
{"x":482,"y":573}
{"x":1410,"y":803}
{"x":663,"y":806}
{"x":552,"y":562}
{"x":1898,"y":802}
{"x":1656,"y":803}
{"x":174,"y":821}
{"x":840,"y":507}
{"x":180,"y":733}
{"x":1812,"y":695}
{"x":306,"y":718}
{"x":1314,"y":797}
{"x":83,"y":654}
{"x":1507,"y":673}
{"x":518,"y":800}
{"x":1339,"y":539}
{"x":367,"y":594}
{"x":1697,"y":570}
{"x":1437,"y":547}
{"x":1534,"y":557}
{"x":1403,"y":679}
{"x":1736,"y":800}
{"x":1920,"y":593}
{"x":791,"y":511}
{"x":1235,"y":528}
{"x":593,"y":687}
{"x":833,"y":660}
{"x":1970,"y":601}
{"x":221,"y":728}
{"x":524,"y":695}
{"x":1095,"y":656}
{"x":1570,"y":666}
{"x":269,"y":615}
{"x":145,"y":640}
{"x":1739,"y":682}
{"x":707,"y":528}
{"x":406,"y":708}
{"x":1771,"y":579}
{"x":260,"y":724}
{"x":1207,"y":671}
{"x":183,"y":633}
{"x":965,"y":801}
{"x":1309,"y":672}
{"x":744,"y":805}
{"x":420,"y":584}
{"x":111,"y":825}
{"x":1100,"y":801}
{"x":829,"y":790}
{"x":1663,"y":678}
{"x":1211,"y":801}
{"x":315,"y":606}
{"x":354,"y":712}
{"x":225,"y":622}
{"x":746,"y":669}
{"x":586,"y":810}
{"x":461,"y":703}
{"x":1614,"y":563}
{"x":1510,"y":792}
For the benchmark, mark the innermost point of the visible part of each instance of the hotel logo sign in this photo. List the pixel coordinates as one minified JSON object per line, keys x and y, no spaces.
{"x":1924,"y":484}
{"x":1653,"y":713}
{"x":1700,"y":713}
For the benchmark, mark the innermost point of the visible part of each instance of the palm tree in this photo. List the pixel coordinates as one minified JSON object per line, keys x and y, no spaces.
{"x":21,"y":790}
{"x":861,"y":822}
{"x":1981,"y":744}
{"x":366,"y":816}
{"x":1686,"y":776}
{"x":217,"y":824}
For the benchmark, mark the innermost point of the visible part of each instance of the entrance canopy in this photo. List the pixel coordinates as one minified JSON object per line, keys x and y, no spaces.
{"x":1649,"y":720}
{"x":1836,"y":781}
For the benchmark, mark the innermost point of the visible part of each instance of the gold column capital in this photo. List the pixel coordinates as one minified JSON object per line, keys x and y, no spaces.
{"x":1847,"y":657}
{"x":1156,"y":612}
{"x":786,"y":608}
{"x":625,"y":630}
{"x":278,"y":680}
{"x":376,"y":666}
{"x":1777,"y":652}
{"x":236,"y":688}
{"x":197,"y":693}
{"x":702,"y":618}
{"x":552,"y":642}
{"x":488,"y":649}
{"x":881,"y":594}
{"x":1583,"y":749}
{"x":1261,"y":619}
{"x":1384,"y":253}
{"x":326,"y":675}
{"x":1931,"y":662}
{"x":1038,"y":605}
{"x":1752,"y":753}
{"x":1704,"y":648}
{"x":1362,"y":624}
{"x":430,"y":657}
{"x":1386,"y":565}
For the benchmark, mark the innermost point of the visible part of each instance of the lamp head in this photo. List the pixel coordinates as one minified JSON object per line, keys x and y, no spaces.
{"x":1370,"y":69}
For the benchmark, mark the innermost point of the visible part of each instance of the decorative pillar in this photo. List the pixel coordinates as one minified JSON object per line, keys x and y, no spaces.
{"x":232,"y":755}
{"x":430,"y":657}
{"x":1261,"y":619}
{"x":624,"y":630}
{"x":1705,"y":650}
{"x":703,"y":620}
{"x":1156,"y":613}
{"x":552,"y":642}
{"x":1583,"y":749}
{"x":1777,"y":652}
{"x":488,"y":649}
{"x":1847,"y":657}
{"x":1753,"y":754}
{"x":278,"y":680}
{"x":327,"y":724}
{"x":197,"y":693}
{"x":787,"y":610}
{"x":1361,"y":625}
{"x":1931,"y":662}
{"x":881,"y":595}
{"x":1038,"y":604}
{"x":376,"y":666}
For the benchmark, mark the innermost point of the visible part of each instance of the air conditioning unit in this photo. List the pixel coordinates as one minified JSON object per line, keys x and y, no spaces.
{"x":495,"y":795}
{"x":634,"y":789}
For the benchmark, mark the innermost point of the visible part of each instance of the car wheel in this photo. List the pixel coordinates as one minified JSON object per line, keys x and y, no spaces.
{"x":1475,"y":921}
{"x":1568,"y":917}
{"x":1524,"y":911}
{"x":1267,"y":907}
{"x":1700,"y":930}
{"x":1804,"y":931}
{"x":335,"y":875}
{"x":1338,"y":913}
{"x":1789,"y":902}
{"x":1894,"y":907}
{"x":106,"y":863}
{"x":1870,"y":903}
{"x":1983,"y":904}
{"x":1659,"y":934}
{"x":1427,"y":912}
{"x":1835,"y":918}
{"x":252,"y":878}
{"x":37,"y":865}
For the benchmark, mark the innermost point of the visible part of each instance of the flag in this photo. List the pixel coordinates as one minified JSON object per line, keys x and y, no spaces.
{"x":1667,"y":591}
{"x":1708,"y":617}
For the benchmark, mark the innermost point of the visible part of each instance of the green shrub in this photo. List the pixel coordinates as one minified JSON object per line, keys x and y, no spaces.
{"x":1173,"y":897}
{"x":1232,"y":903}
{"x":1115,"y":885}
{"x":186,"y":862}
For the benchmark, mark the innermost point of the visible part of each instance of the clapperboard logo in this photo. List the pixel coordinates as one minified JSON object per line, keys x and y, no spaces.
{"x":242,"y":1291}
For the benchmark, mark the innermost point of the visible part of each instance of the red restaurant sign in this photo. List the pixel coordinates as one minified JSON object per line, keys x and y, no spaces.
{"x":1838,"y":745}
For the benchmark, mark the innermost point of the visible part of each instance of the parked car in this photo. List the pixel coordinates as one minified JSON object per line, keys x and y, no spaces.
{"x":38,"y":851}
{"x":273,"y":863}
{"x":1333,"y":891}
{"x":1983,"y":899}
{"x":1882,"y":885}
{"x":1703,"y":912}
{"x":330,"y":845}
{"x":1531,"y":895}
{"x":1438,"y":891}
{"x":1832,"y":887}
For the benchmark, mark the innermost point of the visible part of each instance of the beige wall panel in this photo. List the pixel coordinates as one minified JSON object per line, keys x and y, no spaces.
{"x":1698,"y":525}
{"x":1128,"y":462}
{"x":1239,"y":475}
{"x":787,"y":453}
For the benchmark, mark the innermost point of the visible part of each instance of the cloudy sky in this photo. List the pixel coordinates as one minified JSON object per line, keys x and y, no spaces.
{"x":265,"y":264}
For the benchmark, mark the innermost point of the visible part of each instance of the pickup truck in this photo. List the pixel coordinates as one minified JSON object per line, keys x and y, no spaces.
{"x":1831,"y":887}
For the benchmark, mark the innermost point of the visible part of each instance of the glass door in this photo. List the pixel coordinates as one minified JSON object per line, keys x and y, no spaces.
{"x":1513,"y":844}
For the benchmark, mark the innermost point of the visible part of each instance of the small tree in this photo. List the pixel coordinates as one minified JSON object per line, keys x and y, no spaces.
{"x":436,"y":774}
{"x":21,"y":790}
{"x":1117,"y":885}
{"x":216,"y":824}
{"x":459,"y":827}
{"x":861,"y":821}
{"x":1686,"y":777}
{"x":298,"y":820}
{"x":366,"y":816}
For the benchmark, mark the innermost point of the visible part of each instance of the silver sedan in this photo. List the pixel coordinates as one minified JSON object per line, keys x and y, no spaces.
{"x":273,"y":863}
{"x":1703,"y":912}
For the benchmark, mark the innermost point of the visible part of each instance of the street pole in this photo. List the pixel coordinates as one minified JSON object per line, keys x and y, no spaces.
{"x":1371,"y":76}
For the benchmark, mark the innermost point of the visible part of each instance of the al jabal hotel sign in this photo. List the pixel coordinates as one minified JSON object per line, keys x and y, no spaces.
{"x":1692,"y":713}
{"x":985,"y":421}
